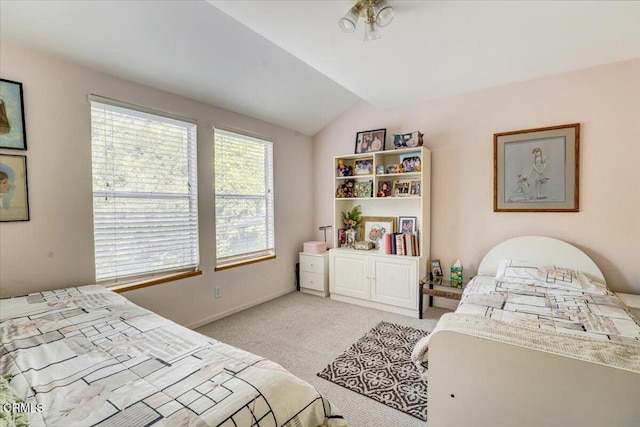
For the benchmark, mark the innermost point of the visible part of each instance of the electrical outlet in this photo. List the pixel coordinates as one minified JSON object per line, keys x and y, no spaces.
{"x":217,"y":292}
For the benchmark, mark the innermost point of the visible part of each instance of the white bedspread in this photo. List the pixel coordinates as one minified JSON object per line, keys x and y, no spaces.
{"x":91,"y":357}
{"x":591,"y":325}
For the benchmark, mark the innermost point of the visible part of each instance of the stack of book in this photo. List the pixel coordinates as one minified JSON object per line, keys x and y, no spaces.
{"x":401,"y":244}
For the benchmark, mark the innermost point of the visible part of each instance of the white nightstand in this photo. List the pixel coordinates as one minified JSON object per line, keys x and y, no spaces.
{"x":632,"y":302}
{"x":314,"y":273}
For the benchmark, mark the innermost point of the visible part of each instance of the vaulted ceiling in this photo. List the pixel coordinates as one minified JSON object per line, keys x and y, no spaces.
{"x":288,"y":63}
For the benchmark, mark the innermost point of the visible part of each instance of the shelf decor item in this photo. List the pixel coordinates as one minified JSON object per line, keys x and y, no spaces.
{"x":364,"y":189}
{"x":14,"y":201}
{"x":13,"y":134}
{"x":408,"y":140}
{"x":436,"y":268}
{"x":351,"y":220}
{"x":370,"y":141}
{"x":407,"y":224}
{"x":536,"y":170}
{"x":373,"y":228}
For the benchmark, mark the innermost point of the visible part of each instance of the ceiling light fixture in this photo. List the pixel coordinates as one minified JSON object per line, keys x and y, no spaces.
{"x":377,"y":14}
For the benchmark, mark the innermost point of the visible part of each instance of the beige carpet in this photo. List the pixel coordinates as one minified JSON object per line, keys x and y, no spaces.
{"x":304,"y":333}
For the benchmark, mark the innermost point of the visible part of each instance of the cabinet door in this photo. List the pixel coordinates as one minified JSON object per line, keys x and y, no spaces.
{"x":349,"y":275}
{"x":395,"y":281}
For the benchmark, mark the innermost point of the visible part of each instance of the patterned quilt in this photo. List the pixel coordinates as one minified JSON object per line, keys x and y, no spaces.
{"x":86,"y":356}
{"x":556,"y":311}
{"x":595,"y":313}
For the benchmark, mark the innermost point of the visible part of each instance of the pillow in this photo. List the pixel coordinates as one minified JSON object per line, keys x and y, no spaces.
{"x":551,"y":276}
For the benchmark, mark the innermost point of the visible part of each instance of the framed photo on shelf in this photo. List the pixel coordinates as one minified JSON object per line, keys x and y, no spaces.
{"x":407,"y":224}
{"x":411,"y":163}
{"x":411,"y":139}
{"x":364,"y":167}
{"x":370,"y":141}
{"x":401,"y":188}
{"x":536,"y":170}
{"x":384,"y":189}
{"x":373,"y":228}
{"x":14,"y":201}
{"x":364,"y":189}
{"x":414,"y":188}
{"x":436,"y":268}
{"x":13,"y":134}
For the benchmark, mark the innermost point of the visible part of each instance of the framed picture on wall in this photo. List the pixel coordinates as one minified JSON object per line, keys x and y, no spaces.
{"x":536,"y":170}
{"x":14,"y":205}
{"x":13,"y":134}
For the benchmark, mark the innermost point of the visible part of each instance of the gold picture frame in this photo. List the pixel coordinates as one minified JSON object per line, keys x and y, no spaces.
{"x":373,"y":228}
{"x":537,"y":170}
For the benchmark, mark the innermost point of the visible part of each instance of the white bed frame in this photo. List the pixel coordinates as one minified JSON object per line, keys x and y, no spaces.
{"x":479,"y":382}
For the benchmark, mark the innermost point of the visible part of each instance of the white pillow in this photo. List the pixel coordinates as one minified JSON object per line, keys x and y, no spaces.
{"x":551,"y":276}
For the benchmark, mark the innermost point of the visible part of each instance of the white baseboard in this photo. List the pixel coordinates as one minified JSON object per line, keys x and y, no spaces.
{"x":218,"y":316}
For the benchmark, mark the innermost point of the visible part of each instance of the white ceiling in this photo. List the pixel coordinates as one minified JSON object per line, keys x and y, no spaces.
{"x":290,"y":64}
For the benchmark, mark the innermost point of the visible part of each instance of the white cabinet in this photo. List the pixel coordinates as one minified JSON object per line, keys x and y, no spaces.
{"x":388,"y":185}
{"x":314,"y":277}
{"x":386,"y":282}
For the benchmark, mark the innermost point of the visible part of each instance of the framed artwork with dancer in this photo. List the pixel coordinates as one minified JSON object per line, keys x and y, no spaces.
{"x":537,"y":170}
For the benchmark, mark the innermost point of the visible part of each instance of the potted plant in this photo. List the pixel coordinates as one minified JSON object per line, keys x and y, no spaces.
{"x":351,"y":220}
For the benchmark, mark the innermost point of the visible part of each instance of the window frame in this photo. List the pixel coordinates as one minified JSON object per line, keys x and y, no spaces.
{"x":268,"y":253}
{"x":191,"y":267}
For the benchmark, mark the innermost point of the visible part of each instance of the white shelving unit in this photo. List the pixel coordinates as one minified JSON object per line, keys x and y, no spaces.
{"x":372,"y":278}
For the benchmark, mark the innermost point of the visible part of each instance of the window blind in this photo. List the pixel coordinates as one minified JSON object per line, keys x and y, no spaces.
{"x":144,"y":192}
{"x":244,"y":197}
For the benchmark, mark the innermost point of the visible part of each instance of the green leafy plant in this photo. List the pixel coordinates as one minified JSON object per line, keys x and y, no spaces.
{"x":352,"y":218}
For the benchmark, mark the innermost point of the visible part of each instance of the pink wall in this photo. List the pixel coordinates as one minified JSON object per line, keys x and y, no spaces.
{"x":55,"y":248}
{"x":459,"y":131}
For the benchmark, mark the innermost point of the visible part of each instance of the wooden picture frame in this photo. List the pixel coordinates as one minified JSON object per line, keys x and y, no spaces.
{"x":370,"y":140}
{"x":363,"y":166}
{"x":401,"y":188}
{"x":14,"y":200}
{"x":407,"y":224}
{"x":537,"y":170}
{"x":13,"y":131}
{"x":373,"y":228}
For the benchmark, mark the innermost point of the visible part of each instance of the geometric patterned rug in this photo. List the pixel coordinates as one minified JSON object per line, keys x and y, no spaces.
{"x":379,"y":366}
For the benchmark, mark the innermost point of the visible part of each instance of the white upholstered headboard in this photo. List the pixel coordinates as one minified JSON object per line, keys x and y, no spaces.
{"x":539,"y":250}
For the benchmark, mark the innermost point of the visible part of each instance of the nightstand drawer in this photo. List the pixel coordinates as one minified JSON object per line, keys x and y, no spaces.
{"x":313,"y":281}
{"x":312,"y":264}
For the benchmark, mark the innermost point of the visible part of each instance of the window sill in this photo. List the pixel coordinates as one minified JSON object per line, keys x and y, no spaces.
{"x":241,"y":263}
{"x":159,"y":281}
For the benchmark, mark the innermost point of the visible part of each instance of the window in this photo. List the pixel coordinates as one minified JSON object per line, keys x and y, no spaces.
{"x":145,"y":210}
{"x":244,"y":198}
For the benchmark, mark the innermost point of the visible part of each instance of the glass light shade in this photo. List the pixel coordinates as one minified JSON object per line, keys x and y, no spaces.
{"x":348,"y":22}
{"x":371,"y":32}
{"x":384,"y":13}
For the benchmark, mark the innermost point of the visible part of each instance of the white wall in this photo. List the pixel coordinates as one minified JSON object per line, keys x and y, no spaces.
{"x":55,"y":248}
{"x":459,"y":131}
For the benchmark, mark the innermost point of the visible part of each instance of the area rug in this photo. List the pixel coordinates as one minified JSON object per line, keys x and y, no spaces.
{"x":379,"y":366}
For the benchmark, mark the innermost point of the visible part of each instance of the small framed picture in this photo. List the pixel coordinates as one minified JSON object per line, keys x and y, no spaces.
{"x":414,"y":189}
{"x":14,"y":205}
{"x":373,"y":228}
{"x":411,"y":163}
{"x":370,"y":140}
{"x":407,"y":224}
{"x":436,"y":268}
{"x":411,"y":139}
{"x":364,"y":189}
{"x":401,"y":188}
{"x":384,"y":189}
{"x":364,"y":167}
{"x":13,"y":134}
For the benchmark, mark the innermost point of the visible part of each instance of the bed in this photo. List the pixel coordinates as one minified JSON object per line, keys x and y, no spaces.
{"x":87,"y":356}
{"x":560,"y":350}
